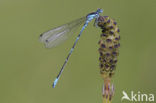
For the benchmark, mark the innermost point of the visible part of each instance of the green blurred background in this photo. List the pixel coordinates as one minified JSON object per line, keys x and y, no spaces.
{"x":27,"y":68}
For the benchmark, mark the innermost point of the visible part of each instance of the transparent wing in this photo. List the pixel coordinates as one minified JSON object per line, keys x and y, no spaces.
{"x":59,"y":34}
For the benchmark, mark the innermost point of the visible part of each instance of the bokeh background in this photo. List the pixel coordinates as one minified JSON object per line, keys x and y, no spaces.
{"x":27,"y":68}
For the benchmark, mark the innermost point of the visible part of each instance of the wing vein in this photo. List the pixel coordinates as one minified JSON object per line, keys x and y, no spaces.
{"x":59,"y":34}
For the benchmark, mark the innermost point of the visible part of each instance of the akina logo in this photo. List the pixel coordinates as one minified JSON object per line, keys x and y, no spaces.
{"x":137,"y":97}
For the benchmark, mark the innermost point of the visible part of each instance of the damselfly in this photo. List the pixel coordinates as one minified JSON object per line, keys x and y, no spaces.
{"x":57,"y":35}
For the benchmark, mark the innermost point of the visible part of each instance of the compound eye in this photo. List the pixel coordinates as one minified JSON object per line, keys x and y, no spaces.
{"x":99,"y":10}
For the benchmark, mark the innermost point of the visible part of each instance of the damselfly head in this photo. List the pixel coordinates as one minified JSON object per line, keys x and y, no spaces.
{"x":99,"y":11}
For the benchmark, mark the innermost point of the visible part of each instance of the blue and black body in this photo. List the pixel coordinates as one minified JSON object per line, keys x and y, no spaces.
{"x":44,"y":37}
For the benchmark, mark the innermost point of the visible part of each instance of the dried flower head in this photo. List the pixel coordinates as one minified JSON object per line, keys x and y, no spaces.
{"x":109,"y":51}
